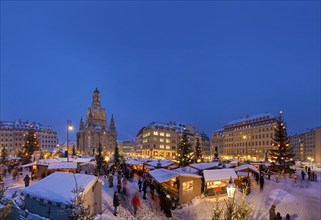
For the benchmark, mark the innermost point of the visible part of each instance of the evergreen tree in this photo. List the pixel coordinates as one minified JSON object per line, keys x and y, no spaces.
{"x":116,"y":155}
{"x":77,"y":210}
{"x":185,"y":151}
{"x":281,"y":153}
{"x":99,"y":161}
{"x":74,"y":152}
{"x":198,"y":151}
{"x":4,"y":155}
{"x":30,"y":146}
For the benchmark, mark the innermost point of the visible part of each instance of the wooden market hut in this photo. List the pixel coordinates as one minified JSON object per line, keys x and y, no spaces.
{"x":51,"y":196}
{"x":181,"y":186}
{"x":215,"y":181}
{"x":70,"y":167}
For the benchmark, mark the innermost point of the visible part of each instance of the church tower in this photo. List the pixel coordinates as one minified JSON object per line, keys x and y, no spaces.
{"x":95,"y":130}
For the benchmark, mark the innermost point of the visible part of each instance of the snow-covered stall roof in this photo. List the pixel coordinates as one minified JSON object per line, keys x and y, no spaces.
{"x":58,"y":187}
{"x":204,"y":166}
{"x":62,"y":165}
{"x":188,"y":170}
{"x":134,"y":162}
{"x":246,"y":167}
{"x":242,"y":173}
{"x":13,"y":158}
{"x":223,"y":174}
{"x":163,"y":163}
{"x":162,"y":175}
{"x":82,"y":160}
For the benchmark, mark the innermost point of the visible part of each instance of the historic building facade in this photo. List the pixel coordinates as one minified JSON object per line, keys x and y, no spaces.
{"x":12,"y":135}
{"x":307,"y":145}
{"x":160,"y":140}
{"x":247,"y":138}
{"x":95,"y":129}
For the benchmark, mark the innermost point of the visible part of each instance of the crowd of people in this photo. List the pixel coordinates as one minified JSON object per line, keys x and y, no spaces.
{"x":277,"y":215}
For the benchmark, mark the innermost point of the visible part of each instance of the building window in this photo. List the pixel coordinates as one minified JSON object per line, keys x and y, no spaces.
{"x":161,"y":146}
{"x":168,"y":134}
{"x":155,"y":133}
{"x":161,"y":140}
{"x":187,"y":187}
{"x":168,"y":147}
{"x":168,"y":141}
{"x":162,"y":134}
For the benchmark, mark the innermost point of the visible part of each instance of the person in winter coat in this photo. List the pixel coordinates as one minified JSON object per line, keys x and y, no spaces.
{"x":145,"y":184}
{"x":152,"y":189}
{"x":287,"y":217}
{"x":168,"y":206}
{"x":162,"y":197}
{"x":124,"y":185}
{"x":26,"y":180}
{"x":115,"y":203}
{"x":119,"y":185}
{"x":140,"y":184}
{"x":110,"y":180}
{"x":261,"y":182}
{"x":136,"y":203}
{"x":302,"y":174}
{"x":278,"y":216}
{"x":272,"y":213}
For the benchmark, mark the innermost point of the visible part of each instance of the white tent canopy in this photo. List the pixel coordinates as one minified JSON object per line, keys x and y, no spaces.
{"x":62,"y":165}
{"x":214,"y":175}
{"x":246,"y":167}
{"x":162,"y":175}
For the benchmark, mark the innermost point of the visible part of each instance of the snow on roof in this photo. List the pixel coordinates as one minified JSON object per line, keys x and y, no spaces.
{"x":58,"y":187}
{"x":242,"y":173}
{"x":163,"y":163}
{"x":247,"y":119}
{"x":204,"y":166}
{"x":246,"y":167}
{"x":188,"y":170}
{"x":162,"y":175}
{"x":223,"y":174}
{"x":62,"y":165}
{"x":13,"y":158}
{"x":83,"y":160}
{"x":134,"y":162}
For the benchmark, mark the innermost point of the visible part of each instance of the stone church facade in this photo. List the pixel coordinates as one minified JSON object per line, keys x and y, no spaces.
{"x":95,"y":129}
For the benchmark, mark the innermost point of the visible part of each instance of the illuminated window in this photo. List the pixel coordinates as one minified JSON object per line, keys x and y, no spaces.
{"x":161,"y":133}
{"x":187,"y":187}
{"x":161,"y":146}
{"x":161,"y":140}
{"x":168,"y":134}
{"x":155,"y":139}
{"x":155,"y":133}
{"x":168,"y":141}
{"x":168,"y":147}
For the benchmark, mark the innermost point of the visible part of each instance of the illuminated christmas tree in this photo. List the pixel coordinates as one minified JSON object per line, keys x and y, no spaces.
{"x":281,"y":153}
{"x":30,"y":146}
{"x":198,"y":151}
{"x":185,"y":151}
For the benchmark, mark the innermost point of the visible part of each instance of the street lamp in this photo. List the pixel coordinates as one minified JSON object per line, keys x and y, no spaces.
{"x":69,"y":128}
{"x":230,"y":188}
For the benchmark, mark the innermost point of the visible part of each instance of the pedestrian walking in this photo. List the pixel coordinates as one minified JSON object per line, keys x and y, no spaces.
{"x":278,"y":216}
{"x":140,"y":184}
{"x":124,"y":185}
{"x":272,"y":213}
{"x":26,"y":180}
{"x":287,"y":217}
{"x":302,"y":174}
{"x":152,"y":189}
{"x":309,"y":173}
{"x":168,"y":206}
{"x":145,"y":184}
{"x":261,"y":182}
{"x":110,"y":181}
{"x":136,"y":203}
{"x":115,"y":203}
{"x":119,"y":185}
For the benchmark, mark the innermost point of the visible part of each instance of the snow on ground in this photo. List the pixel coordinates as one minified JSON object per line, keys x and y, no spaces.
{"x":301,"y":200}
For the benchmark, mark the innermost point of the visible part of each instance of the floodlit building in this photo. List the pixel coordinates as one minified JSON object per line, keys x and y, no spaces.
{"x":248,"y":138}
{"x":12,"y":134}
{"x":126,"y":147}
{"x":307,"y":145}
{"x":160,"y":140}
{"x":96,"y":130}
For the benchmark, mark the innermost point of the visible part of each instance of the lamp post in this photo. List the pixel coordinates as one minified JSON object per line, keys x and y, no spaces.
{"x":69,"y":128}
{"x":230,"y":188}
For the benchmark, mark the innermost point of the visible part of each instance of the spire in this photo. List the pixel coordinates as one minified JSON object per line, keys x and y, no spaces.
{"x":96,"y":91}
{"x":112,"y":123}
{"x":82,"y":125}
{"x":96,"y":97}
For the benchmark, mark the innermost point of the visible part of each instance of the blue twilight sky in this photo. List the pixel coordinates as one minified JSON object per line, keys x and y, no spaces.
{"x":204,"y":63}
